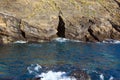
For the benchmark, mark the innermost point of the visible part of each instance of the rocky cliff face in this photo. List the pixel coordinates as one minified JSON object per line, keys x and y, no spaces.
{"x":43,"y":20}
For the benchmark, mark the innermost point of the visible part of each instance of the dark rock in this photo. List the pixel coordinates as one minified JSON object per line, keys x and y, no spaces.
{"x":80,"y":75}
{"x":38,"y":78}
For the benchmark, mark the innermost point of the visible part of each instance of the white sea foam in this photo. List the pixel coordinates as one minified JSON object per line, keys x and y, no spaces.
{"x":38,"y":67}
{"x":60,"y":39}
{"x":35,"y":69}
{"x":111,"y":78}
{"x":101,"y":77}
{"x":50,"y":75}
{"x":20,"y":41}
{"x":64,"y":40}
{"x":111,"y":41}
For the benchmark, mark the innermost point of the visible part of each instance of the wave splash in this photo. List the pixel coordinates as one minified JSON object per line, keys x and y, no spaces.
{"x":36,"y":70}
{"x":40,"y":74}
{"x":50,"y":75}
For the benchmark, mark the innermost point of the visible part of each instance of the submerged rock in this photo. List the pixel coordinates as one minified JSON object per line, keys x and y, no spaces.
{"x":80,"y":75}
{"x":37,"y":78}
{"x":43,"y":20}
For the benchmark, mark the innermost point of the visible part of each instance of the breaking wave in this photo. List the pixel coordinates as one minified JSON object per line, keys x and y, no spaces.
{"x":39,"y":73}
{"x":36,"y":69}
{"x":50,"y":75}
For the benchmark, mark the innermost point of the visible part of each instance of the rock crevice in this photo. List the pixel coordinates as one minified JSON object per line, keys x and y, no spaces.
{"x":118,"y":2}
{"x":61,"y":28}
{"x":91,"y":33}
{"x":115,"y":26}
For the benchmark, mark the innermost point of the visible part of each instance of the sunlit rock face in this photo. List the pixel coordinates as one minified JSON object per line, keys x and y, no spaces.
{"x":43,"y":20}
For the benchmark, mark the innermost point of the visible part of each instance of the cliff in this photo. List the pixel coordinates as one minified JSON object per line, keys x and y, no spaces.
{"x":43,"y":20}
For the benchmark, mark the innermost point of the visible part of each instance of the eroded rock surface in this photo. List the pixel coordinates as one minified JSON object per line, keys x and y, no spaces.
{"x":43,"y":20}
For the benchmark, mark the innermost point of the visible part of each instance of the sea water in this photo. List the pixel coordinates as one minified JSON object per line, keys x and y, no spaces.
{"x":55,"y":60}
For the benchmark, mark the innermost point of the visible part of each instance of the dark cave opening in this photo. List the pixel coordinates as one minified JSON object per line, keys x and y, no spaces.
{"x":23,"y":34}
{"x":61,"y":28}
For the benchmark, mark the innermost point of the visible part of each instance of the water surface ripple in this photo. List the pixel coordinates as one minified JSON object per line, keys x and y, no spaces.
{"x":94,"y":58}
